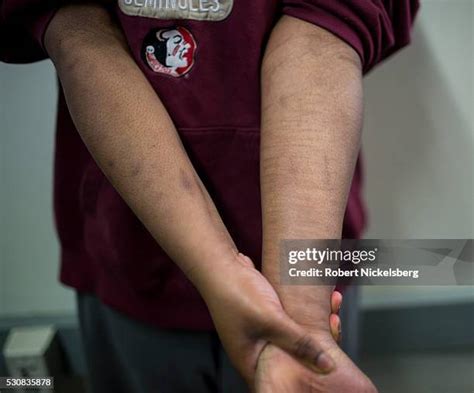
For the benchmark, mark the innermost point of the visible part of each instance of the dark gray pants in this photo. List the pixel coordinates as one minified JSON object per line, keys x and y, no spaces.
{"x":126,"y":356}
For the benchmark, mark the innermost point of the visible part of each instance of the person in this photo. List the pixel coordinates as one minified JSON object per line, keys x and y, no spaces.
{"x":192,"y":137}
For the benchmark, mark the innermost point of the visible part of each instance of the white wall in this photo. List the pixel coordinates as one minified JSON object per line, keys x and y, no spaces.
{"x":418,"y":144}
{"x":29,"y":249}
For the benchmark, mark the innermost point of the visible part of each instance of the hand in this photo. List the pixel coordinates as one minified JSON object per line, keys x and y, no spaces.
{"x":248,"y":316}
{"x":277,"y":372}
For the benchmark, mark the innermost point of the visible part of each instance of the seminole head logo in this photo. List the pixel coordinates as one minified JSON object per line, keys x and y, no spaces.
{"x":170,"y":51}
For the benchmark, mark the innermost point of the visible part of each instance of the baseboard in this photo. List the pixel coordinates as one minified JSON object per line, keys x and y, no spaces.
{"x":395,"y":330}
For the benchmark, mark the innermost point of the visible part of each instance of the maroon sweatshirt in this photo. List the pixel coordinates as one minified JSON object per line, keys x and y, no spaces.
{"x":203,"y":59}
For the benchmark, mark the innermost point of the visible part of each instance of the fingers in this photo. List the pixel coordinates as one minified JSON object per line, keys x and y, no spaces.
{"x":245,"y":260}
{"x":334,"y":319}
{"x":296,"y":341}
{"x":335,"y":327}
{"x":336,"y":302}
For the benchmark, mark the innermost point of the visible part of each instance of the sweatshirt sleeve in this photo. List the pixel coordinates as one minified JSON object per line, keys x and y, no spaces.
{"x":374,"y":28}
{"x":22,"y":27}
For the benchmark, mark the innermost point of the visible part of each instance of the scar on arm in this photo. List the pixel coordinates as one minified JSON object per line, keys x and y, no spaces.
{"x":195,"y":188}
{"x":136,"y":169}
{"x":110,"y":164}
{"x":187,"y":181}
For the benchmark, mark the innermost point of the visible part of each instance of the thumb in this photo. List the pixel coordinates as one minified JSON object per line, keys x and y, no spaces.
{"x":299,"y":343}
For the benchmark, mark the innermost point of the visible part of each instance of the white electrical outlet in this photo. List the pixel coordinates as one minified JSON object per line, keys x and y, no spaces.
{"x":32,"y":352}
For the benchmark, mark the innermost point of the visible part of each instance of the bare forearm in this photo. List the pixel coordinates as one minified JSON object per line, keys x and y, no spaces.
{"x":130,"y":135}
{"x":311,"y":120}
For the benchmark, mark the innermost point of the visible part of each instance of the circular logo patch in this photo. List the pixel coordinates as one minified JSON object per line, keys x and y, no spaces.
{"x":170,"y":51}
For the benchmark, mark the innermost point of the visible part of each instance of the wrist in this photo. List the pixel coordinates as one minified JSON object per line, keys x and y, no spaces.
{"x":309,"y":306}
{"x":211,"y":275}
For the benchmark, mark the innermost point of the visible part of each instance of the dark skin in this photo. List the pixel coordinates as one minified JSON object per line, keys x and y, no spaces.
{"x":311,"y":124}
{"x":130,"y":144}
